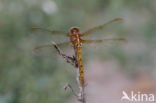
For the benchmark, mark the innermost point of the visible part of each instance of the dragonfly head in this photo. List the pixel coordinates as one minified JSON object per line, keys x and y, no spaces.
{"x":74,"y":30}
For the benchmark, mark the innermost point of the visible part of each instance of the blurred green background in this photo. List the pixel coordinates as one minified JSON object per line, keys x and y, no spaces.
{"x":29,"y":78}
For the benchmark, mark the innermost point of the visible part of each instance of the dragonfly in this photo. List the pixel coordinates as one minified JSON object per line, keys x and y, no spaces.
{"x":76,"y":41}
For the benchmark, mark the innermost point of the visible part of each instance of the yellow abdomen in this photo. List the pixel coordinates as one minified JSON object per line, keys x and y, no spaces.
{"x":80,"y":64}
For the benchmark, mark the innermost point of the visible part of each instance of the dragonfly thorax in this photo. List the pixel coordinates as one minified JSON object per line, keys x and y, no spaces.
{"x":76,"y":36}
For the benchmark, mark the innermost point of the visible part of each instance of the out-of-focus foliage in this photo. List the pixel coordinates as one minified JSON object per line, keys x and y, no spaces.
{"x":27,"y":78}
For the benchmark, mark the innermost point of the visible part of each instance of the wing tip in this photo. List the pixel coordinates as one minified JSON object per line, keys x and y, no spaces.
{"x":37,"y":47}
{"x":122,"y":39}
{"x":35,"y":27}
{"x":117,"y":19}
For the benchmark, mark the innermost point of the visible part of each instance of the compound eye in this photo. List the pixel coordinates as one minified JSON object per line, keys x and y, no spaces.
{"x":74,"y":30}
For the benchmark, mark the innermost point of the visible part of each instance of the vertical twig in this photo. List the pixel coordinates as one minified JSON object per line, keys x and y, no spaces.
{"x":81,"y":89}
{"x":73,"y":61}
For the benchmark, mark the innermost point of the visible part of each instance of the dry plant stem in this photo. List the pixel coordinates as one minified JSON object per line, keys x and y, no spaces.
{"x":73,"y":61}
{"x":70,"y":87}
{"x":68,"y":59}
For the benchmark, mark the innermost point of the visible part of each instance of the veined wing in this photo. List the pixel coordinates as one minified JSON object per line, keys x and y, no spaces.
{"x":100,"y":27}
{"x":104,"y":40}
{"x":51,"y":45}
{"x":49,"y":49}
{"x":52,"y":31}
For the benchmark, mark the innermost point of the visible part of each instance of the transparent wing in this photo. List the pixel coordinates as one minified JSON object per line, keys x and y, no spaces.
{"x":100,"y":27}
{"x":104,"y":40}
{"x":52,"y":31}
{"x":49,"y":49}
{"x":51,"y":45}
